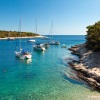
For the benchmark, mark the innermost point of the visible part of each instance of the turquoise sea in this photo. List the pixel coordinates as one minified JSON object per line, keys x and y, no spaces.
{"x":44,"y":77}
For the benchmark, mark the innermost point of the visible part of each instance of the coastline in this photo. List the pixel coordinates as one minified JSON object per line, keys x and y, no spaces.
{"x":45,"y":73}
{"x":22,"y":37}
{"x":88,"y":65}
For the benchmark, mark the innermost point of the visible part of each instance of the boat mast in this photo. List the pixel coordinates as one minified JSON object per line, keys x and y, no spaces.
{"x":52,"y":29}
{"x":20,"y":33}
{"x":9,"y":34}
{"x":36,"y":25}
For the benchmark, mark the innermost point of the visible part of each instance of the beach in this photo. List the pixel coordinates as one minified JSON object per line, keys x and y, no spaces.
{"x":23,"y":37}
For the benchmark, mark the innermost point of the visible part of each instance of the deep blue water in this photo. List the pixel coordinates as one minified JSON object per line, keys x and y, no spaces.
{"x":45,"y":76}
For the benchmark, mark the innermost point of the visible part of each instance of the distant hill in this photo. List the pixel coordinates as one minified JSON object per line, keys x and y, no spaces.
{"x":4,"y":34}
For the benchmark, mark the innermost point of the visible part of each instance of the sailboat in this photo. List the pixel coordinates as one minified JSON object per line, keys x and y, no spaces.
{"x":22,"y":54}
{"x":10,"y":38}
{"x":53,"y":42}
{"x":31,"y":40}
{"x":38,"y":46}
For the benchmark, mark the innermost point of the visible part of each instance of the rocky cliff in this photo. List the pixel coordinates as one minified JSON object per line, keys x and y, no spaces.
{"x":88,"y":65}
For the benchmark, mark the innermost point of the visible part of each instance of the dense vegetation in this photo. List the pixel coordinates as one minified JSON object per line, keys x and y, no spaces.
{"x":93,"y":37}
{"x":4,"y":34}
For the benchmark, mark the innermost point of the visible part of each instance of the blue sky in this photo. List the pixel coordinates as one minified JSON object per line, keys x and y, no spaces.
{"x":70,"y":17}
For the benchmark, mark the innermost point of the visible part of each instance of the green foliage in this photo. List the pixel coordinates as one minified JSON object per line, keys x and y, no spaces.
{"x":93,"y":37}
{"x":4,"y":34}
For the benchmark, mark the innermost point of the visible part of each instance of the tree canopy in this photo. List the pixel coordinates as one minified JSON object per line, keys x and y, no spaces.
{"x":4,"y":34}
{"x":93,"y":37}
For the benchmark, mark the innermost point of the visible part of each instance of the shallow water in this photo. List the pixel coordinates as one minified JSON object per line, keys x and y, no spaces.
{"x":42,"y":77}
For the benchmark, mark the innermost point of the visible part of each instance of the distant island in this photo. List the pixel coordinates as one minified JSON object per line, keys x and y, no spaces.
{"x":88,"y":65}
{"x":5,"y":34}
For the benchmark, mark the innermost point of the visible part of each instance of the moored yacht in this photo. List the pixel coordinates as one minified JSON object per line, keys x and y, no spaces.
{"x":53,"y":42}
{"x":31,"y":40}
{"x":22,"y":54}
{"x":10,"y":38}
{"x":39,"y":47}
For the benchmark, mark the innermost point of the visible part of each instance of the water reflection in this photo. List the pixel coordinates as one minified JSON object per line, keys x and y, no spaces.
{"x":27,"y":61}
{"x":39,"y":52}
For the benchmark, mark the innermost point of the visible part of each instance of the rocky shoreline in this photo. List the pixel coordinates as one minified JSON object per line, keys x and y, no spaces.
{"x":88,"y":65}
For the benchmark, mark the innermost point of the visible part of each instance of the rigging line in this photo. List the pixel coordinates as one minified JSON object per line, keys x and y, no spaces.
{"x":36,"y":25}
{"x":20,"y":31}
{"x":50,"y":31}
{"x":17,"y":37}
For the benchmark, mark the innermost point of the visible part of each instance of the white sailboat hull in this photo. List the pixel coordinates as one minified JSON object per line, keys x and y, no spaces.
{"x":39,"y":47}
{"x":54,"y":43}
{"x":23,"y":56}
{"x":31,"y":40}
{"x":10,"y":38}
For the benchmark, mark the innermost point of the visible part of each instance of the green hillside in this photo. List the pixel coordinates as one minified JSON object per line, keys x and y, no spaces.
{"x":4,"y":34}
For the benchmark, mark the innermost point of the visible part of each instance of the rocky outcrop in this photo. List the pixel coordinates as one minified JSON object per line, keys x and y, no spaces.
{"x":88,"y":66}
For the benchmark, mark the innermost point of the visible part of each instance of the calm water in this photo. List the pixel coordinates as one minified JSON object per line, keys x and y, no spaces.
{"x":43,"y":77}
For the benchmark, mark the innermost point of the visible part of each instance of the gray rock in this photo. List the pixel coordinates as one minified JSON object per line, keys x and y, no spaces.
{"x":86,"y":64}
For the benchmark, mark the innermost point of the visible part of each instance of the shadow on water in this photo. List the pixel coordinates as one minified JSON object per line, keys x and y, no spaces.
{"x":79,"y":82}
{"x":71,"y":80}
{"x":26,"y":75}
{"x":39,"y":52}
